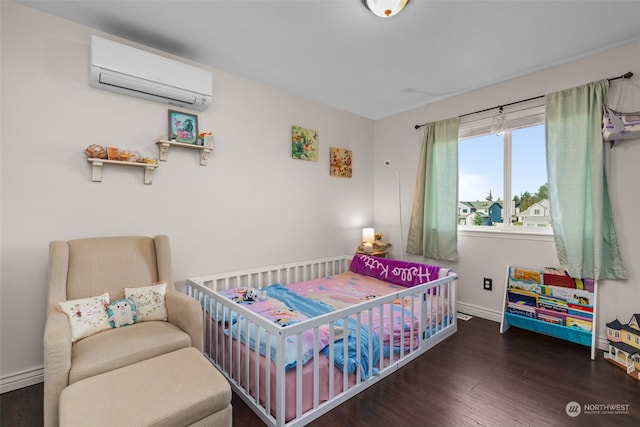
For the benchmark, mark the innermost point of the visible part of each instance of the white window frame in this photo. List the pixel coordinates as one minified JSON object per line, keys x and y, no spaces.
{"x":518,"y":115}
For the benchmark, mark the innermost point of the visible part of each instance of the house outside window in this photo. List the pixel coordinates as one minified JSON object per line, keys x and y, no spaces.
{"x":502,"y":170}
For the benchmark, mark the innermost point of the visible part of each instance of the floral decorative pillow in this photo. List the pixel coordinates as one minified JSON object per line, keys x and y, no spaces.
{"x":122,"y":312}
{"x":87,"y":316}
{"x":149,"y":301}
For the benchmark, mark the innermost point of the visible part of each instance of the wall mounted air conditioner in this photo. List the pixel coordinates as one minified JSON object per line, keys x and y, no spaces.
{"x":129,"y":71}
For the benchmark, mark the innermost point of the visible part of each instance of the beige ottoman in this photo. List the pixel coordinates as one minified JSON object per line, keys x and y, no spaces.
{"x":181,"y":388}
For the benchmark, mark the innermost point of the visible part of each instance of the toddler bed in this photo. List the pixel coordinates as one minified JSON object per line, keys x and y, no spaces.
{"x":296,"y":340}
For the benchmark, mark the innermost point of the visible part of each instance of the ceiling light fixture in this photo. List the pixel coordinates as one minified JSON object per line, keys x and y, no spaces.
{"x":385,"y":8}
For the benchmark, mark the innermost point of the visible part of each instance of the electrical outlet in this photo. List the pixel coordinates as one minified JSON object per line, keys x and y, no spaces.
{"x":487,"y":284}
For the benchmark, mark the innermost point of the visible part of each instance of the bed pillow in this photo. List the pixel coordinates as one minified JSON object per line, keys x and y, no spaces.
{"x":403,"y":273}
{"x":87,"y":316}
{"x":149,"y":301}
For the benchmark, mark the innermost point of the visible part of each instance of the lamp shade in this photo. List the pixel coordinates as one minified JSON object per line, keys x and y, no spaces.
{"x":385,"y":8}
{"x":368,"y":235}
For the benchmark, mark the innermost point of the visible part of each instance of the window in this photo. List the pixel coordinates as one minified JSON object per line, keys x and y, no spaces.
{"x":502,"y":170}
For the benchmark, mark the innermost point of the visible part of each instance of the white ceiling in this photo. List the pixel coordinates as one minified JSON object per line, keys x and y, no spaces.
{"x":338,"y":53}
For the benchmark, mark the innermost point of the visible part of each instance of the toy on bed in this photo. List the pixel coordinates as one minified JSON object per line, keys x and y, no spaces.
{"x":251,"y":295}
{"x":247,"y":295}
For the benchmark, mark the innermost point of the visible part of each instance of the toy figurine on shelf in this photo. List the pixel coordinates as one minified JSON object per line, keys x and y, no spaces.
{"x":205,"y":139}
{"x":130,"y":156}
{"x":624,"y":350}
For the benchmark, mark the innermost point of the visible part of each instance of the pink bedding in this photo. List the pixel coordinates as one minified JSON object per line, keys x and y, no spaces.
{"x":347,"y":289}
{"x":399,"y":325}
{"x":286,"y":305}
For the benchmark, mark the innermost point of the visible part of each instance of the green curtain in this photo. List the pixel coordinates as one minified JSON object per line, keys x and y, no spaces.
{"x":581,"y":214}
{"x":433,"y":228}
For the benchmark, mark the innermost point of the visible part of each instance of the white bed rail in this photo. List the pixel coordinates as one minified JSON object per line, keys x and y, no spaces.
{"x":279,"y":273}
{"x":319,"y":381}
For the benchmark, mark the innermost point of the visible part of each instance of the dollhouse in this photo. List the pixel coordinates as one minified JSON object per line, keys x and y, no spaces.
{"x":624,"y":345}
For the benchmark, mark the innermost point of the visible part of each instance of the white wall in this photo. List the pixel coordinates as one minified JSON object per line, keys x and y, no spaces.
{"x":251,"y":205}
{"x":488,"y":255}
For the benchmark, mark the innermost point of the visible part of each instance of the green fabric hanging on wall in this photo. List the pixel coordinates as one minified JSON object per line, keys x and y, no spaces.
{"x":433,"y":232}
{"x":581,"y":214}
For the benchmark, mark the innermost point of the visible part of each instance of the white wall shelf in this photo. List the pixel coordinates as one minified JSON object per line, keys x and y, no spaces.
{"x":163,"y":146}
{"x":96,"y":174}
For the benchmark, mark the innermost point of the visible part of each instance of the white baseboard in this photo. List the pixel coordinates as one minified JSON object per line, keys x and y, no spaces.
{"x":21,"y":379}
{"x":481,"y":312}
{"x":601,"y":341}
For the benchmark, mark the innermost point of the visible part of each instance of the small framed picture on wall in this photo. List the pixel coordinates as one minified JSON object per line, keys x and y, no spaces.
{"x":340,"y":162}
{"x":183,"y":127}
{"x":304,"y":143}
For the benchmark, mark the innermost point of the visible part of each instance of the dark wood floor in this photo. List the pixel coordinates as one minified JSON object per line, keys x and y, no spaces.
{"x":475,"y":378}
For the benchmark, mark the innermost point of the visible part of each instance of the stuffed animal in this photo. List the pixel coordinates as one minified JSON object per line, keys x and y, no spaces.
{"x":122,"y":312}
{"x":251,"y":295}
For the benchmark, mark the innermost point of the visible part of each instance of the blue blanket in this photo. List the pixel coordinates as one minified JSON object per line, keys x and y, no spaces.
{"x":313,"y":308}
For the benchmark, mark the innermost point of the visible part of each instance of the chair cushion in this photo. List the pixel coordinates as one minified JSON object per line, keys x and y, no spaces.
{"x":115,"y":348}
{"x":175,"y":389}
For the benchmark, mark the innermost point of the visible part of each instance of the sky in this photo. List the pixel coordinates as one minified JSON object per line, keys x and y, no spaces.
{"x":481,"y":164}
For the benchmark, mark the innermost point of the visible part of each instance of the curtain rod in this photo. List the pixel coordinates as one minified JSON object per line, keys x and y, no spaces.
{"x":626,"y":75}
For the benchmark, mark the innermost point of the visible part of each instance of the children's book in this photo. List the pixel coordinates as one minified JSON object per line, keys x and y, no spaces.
{"x":554,"y":304}
{"x":550,"y":316}
{"x":578,"y":323}
{"x":572,"y":295}
{"x":521,"y":310}
{"x":580,"y":310}
{"x":550,"y":319}
{"x":527,"y":275}
{"x":521,"y":297}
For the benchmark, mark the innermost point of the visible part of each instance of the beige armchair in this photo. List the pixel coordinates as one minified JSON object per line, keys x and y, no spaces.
{"x":88,"y":267}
